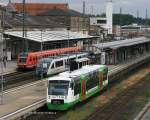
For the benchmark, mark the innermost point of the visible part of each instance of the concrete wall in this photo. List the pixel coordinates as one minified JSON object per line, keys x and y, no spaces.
{"x":98,"y":21}
{"x":79,"y":24}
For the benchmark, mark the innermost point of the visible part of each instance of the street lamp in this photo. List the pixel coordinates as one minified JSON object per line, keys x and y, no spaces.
{"x":68,"y":28}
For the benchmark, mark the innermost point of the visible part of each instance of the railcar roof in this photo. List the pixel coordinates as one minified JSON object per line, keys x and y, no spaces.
{"x":64,"y":56}
{"x":53,"y":50}
{"x":84,"y":70}
{"x":69,"y":75}
{"x":82,"y":59}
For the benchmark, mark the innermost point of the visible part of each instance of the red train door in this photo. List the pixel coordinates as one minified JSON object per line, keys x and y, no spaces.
{"x":83,"y":90}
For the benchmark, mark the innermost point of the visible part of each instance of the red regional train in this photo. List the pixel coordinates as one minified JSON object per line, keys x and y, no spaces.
{"x":29,"y":60}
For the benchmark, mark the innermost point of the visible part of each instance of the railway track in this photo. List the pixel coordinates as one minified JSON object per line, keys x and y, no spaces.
{"x":18,"y":78}
{"x":118,"y":106}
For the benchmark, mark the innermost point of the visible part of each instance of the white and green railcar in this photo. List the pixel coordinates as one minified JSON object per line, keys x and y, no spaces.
{"x":69,"y":88}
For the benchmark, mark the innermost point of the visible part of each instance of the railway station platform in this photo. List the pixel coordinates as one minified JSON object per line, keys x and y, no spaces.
{"x":24,"y":99}
{"x":10,"y":67}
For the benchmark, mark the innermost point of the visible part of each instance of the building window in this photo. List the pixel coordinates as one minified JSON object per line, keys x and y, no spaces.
{"x":101,"y":21}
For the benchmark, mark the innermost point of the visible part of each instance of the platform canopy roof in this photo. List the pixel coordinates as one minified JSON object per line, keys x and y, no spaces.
{"x":121,"y":43}
{"x":48,"y":36}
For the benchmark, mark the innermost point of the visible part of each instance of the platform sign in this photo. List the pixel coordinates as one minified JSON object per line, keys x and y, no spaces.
{"x":103,"y":58}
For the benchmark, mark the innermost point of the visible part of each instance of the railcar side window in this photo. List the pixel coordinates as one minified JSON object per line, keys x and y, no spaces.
{"x":92,"y":81}
{"x":77,"y":88}
{"x":59,"y":63}
{"x":72,"y":59}
{"x":80,"y":65}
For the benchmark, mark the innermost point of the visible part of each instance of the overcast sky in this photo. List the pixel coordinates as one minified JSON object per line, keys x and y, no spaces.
{"x":128,"y":6}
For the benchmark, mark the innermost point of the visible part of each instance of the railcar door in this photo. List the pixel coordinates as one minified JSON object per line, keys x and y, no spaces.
{"x":83,"y":90}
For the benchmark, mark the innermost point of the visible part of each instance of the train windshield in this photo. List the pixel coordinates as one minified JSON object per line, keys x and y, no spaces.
{"x":58,"y":87}
{"x":23,"y":57}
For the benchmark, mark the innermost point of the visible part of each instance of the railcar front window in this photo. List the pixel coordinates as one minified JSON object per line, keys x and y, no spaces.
{"x":58,"y":87}
{"x":23,"y":58}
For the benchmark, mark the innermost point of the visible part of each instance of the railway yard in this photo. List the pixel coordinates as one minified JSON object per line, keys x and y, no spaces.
{"x":119,"y":94}
{"x":33,"y":94}
{"x":58,"y":63}
{"x":120,"y":101}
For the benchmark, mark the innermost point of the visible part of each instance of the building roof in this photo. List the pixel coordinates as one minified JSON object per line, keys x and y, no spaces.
{"x":48,"y":36}
{"x":34,"y":21}
{"x":60,"y":12}
{"x":35,"y":8}
{"x":121,"y":43}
